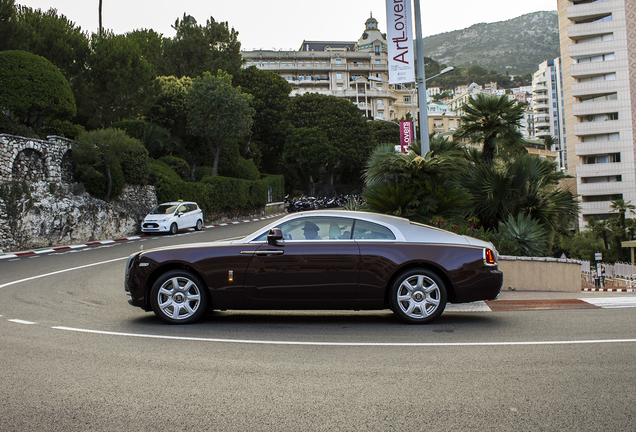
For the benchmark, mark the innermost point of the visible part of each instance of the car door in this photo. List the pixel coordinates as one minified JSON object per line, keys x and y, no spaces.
{"x":182,"y":218}
{"x":306,"y":271}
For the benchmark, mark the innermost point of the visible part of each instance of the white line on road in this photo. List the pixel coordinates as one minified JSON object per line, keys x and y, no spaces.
{"x":61,"y":271}
{"x":19,"y":321}
{"x":612,"y":302}
{"x":363,"y":344}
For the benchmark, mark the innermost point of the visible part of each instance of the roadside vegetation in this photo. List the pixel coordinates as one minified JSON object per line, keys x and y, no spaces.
{"x":183,"y":115}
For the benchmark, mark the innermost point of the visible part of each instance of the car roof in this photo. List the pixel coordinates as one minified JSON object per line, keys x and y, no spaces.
{"x":178,"y":203}
{"x":403,"y":228}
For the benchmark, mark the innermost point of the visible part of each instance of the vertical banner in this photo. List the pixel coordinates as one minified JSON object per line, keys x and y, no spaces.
{"x":406,"y":135}
{"x":400,"y":41}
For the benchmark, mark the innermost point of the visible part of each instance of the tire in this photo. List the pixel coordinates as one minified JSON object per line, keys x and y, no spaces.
{"x":179,"y":297}
{"x":418,"y":296}
{"x":199,"y":225}
{"x":174,"y":228}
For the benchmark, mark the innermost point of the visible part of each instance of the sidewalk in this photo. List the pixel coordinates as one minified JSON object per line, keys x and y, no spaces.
{"x":556,"y":295}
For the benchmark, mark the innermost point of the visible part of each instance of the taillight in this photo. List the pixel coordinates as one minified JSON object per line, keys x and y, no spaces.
{"x":489,"y":257}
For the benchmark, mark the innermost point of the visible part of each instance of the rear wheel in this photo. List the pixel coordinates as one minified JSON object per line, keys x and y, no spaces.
{"x":418,"y":296}
{"x":199,"y":225}
{"x":179,"y":297}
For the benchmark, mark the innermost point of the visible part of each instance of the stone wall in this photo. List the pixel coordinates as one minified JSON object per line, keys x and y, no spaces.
{"x":64,"y":214}
{"x":35,"y":160}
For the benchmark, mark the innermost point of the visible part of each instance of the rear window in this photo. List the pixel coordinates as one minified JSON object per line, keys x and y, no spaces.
{"x":363,"y":230}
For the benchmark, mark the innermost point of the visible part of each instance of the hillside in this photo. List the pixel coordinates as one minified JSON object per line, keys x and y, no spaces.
{"x":516,"y":46}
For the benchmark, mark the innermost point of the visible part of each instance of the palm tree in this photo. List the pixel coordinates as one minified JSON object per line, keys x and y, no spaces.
{"x":491,"y":119}
{"x":523,"y":185}
{"x":622,"y":207}
{"x":414,"y":186}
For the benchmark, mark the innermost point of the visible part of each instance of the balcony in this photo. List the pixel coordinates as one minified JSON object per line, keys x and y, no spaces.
{"x":580,"y":11}
{"x":596,"y":68}
{"x":596,"y":127}
{"x":580,"y":109}
{"x":591,"y":29}
{"x":607,"y":169}
{"x":540,"y":97}
{"x":596,"y":87}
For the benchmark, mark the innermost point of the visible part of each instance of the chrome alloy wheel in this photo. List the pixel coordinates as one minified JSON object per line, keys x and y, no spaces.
{"x":418,"y":296}
{"x":179,"y":298}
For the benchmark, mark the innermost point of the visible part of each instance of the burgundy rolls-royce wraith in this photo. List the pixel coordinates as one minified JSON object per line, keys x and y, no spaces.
{"x":325,"y":259}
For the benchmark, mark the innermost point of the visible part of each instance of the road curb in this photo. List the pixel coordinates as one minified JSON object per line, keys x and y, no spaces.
{"x":609,"y":289}
{"x":103,"y":242}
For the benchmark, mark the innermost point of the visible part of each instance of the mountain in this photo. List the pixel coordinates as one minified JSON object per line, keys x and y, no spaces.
{"x":516,"y":46}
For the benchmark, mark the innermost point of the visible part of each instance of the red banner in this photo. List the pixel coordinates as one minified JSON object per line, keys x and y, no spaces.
{"x":406,"y":134}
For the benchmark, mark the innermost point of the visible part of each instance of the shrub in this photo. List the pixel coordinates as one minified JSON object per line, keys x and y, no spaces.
{"x":63,"y":128}
{"x":180,"y":166}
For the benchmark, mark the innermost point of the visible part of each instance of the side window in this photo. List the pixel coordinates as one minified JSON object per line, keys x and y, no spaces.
{"x":370,"y":231}
{"x":315,"y":228}
{"x":182,"y":209}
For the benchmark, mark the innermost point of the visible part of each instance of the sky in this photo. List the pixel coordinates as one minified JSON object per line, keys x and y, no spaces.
{"x":282,"y":24}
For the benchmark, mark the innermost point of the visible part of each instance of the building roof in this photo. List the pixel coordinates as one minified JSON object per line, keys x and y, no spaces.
{"x":322,"y":45}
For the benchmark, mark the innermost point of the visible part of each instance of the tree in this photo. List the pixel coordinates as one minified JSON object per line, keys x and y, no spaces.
{"x":10,"y":32}
{"x":385,"y":132}
{"x":346,"y":129}
{"x":55,"y":38}
{"x":308,"y":150}
{"x":120,"y":79}
{"x":33,"y":89}
{"x":271,"y":119}
{"x":622,"y":207}
{"x":218,"y":112}
{"x":105,"y":159}
{"x":196,"y":49}
{"x":491,"y":118}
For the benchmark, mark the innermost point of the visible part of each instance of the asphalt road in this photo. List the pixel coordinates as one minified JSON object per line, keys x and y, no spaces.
{"x":76,"y":356}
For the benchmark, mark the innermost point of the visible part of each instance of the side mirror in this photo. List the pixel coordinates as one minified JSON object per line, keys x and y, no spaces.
{"x":275,"y":235}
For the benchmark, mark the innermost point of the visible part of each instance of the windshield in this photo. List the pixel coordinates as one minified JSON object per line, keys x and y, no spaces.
{"x":164,"y":209}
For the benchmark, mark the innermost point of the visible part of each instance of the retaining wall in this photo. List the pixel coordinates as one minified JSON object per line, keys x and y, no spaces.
{"x":540,"y":274}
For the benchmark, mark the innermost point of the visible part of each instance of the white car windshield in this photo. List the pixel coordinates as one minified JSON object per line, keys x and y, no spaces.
{"x":164,"y":209}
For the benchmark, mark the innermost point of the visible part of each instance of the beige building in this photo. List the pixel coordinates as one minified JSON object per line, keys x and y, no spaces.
{"x":355,"y":70}
{"x":598,"y":52}
{"x":547,"y":106}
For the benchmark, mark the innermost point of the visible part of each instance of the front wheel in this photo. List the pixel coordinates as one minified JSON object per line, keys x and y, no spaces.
{"x":418,"y":296}
{"x":179,"y":297}
{"x":174,"y":228}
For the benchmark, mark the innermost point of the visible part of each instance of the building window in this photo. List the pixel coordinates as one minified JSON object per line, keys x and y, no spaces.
{"x":407,"y":99}
{"x":599,"y":117}
{"x":601,"y":198}
{"x":377,"y":50}
{"x":380,"y":102}
{"x":600,"y":38}
{"x":600,"y":137}
{"x":602,"y":159}
{"x":597,"y":58}
{"x":601,"y":98}
{"x":602,"y":77}
{"x":595,"y":19}
{"x":339,"y":76}
{"x":603,"y":179}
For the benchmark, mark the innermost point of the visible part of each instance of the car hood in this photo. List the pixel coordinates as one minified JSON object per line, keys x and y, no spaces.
{"x":157,"y":217}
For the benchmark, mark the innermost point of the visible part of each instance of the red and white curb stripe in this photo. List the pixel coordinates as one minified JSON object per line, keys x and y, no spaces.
{"x":104,"y":242}
{"x":630,"y":290}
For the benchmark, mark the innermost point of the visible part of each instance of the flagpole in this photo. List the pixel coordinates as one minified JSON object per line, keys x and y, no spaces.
{"x":421,"y":81}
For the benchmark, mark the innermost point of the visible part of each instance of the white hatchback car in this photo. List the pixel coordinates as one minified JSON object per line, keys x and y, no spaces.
{"x":173,"y":216}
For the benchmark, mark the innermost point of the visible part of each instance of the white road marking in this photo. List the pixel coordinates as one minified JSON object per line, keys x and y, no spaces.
{"x":19,"y":321}
{"x":479,"y":306}
{"x":61,"y":271}
{"x":369,"y":344}
{"x":612,"y":302}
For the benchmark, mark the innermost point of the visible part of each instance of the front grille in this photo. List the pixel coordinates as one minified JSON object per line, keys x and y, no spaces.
{"x":151,"y":225}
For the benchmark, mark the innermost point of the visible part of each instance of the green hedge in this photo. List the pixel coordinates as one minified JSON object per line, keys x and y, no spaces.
{"x":214,"y":193}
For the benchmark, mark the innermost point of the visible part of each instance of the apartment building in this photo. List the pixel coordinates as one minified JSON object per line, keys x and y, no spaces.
{"x":547,"y":105}
{"x":355,"y":70}
{"x":598,"y":52}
